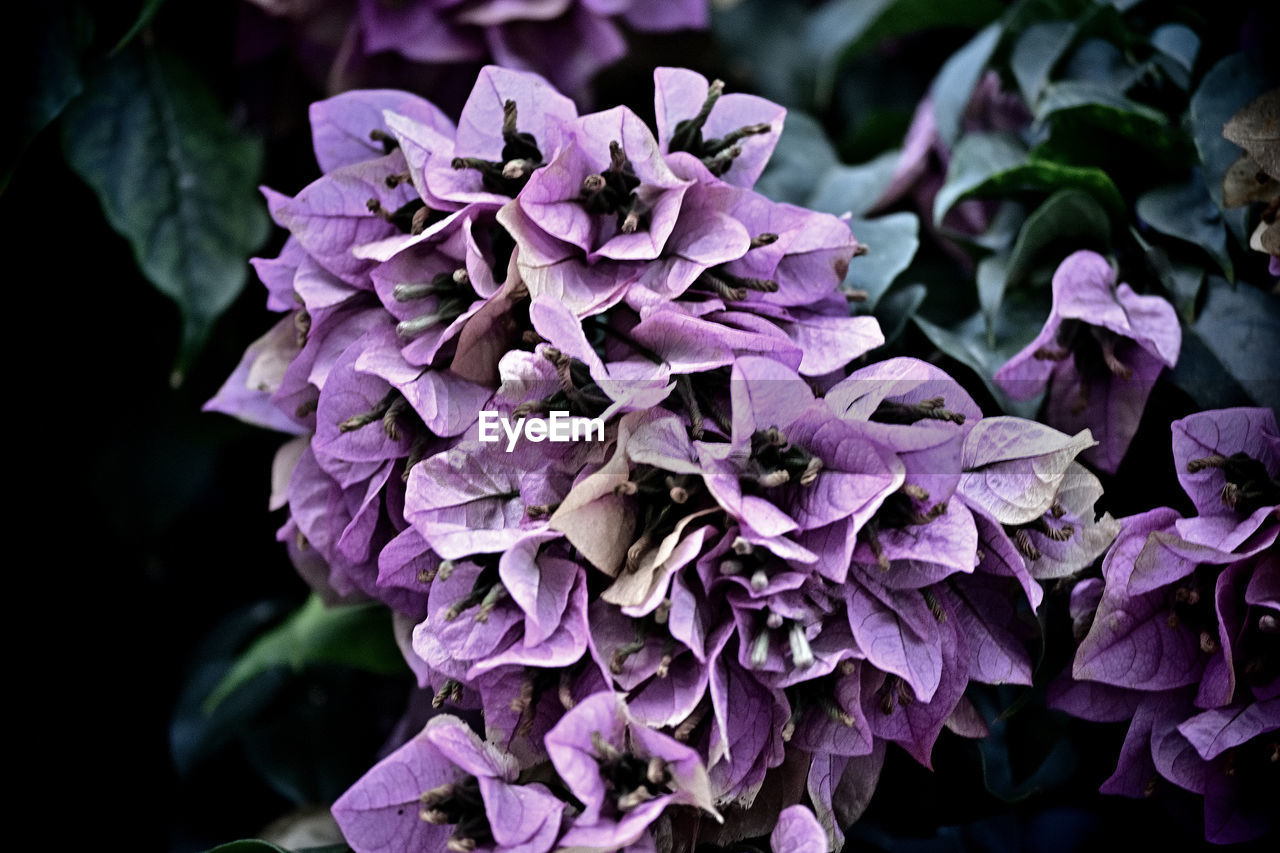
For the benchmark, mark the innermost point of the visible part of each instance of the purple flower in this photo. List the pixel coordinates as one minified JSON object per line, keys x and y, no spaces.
{"x":436,"y":289}
{"x":840,"y":789}
{"x":791,"y":464}
{"x":247,"y":392}
{"x":798,"y":831}
{"x":522,"y":703}
{"x":1099,"y":353}
{"x":1013,"y":468}
{"x":1068,"y":537}
{"x":566,"y":40}
{"x":350,"y":128}
{"x":608,"y":191}
{"x":1228,"y":463}
{"x":902,"y":716}
{"x":349,"y":206}
{"x":1179,"y":635}
{"x":1193,"y":657}
{"x":665,"y":679}
{"x":448,"y":790}
{"x":511,"y":125}
{"x":695,"y":116}
{"x":624,"y":773}
{"x":621,"y":214}
{"x":746,"y":736}
{"x":601,"y":513}
{"x":473,"y":626}
{"x":471,"y":499}
{"x":338,"y":514}
{"x":739,"y":571}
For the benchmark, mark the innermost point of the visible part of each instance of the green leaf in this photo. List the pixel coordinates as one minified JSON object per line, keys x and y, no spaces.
{"x":1202,"y":376}
{"x":891,"y":243}
{"x":987,"y":164}
{"x":194,"y":734}
{"x":1069,"y":216}
{"x":897,"y":308}
{"x":838,"y":25}
{"x":1227,"y":87}
{"x":803,"y":156}
{"x":1100,"y":61}
{"x":55,"y":41}
{"x":851,"y":26}
{"x":843,"y":28}
{"x":968,"y":343}
{"x":1023,"y":754}
{"x":761,"y":37}
{"x":1181,"y":281}
{"x":1105,"y":104}
{"x":853,"y":189}
{"x":1186,"y":212}
{"x":1024,"y":13}
{"x":1110,"y":137}
{"x":249,"y":845}
{"x":1004,"y":227}
{"x":992,"y":278}
{"x":955,"y":82}
{"x":145,"y":17}
{"x":1177,"y":42}
{"x":977,"y":159}
{"x":1090,"y":112}
{"x":1238,"y":330}
{"x":358,"y":637}
{"x":174,"y":179}
{"x":256,"y":845}
{"x":1036,"y":52}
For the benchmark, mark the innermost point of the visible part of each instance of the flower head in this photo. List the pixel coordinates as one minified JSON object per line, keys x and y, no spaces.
{"x":744,"y":564}
{"x":1099,"y":353}
{"x":448,"y":790}
{"x":625,"y":774}
{"x":1180,"y":635}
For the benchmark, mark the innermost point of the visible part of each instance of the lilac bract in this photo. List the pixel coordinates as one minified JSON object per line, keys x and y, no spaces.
{"x":799,"y":831}
{"x":1099,"y":353}
{"x":447,"y":789}
{"x":624,"y":774}
{"x":1181,"y":631}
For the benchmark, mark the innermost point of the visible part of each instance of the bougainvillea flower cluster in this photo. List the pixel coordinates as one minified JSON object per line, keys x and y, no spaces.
{"x":771,"y":561}
{"x":568,"y":41}
{"x":1181,"y":634}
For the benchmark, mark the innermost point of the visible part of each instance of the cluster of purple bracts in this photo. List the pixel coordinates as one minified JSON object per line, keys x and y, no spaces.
{"x":567,"y":41}
{"x":776,"y":560}
{"x":1181,"y":634}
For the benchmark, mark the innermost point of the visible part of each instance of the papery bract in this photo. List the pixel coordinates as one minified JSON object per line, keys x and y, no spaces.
{"x":1100,"y":353}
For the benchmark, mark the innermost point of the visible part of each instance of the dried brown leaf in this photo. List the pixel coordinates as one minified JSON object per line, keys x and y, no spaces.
{"x":1256,"y":129}
{"x":1266,"y":238}
{"x":1245,"y":183}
